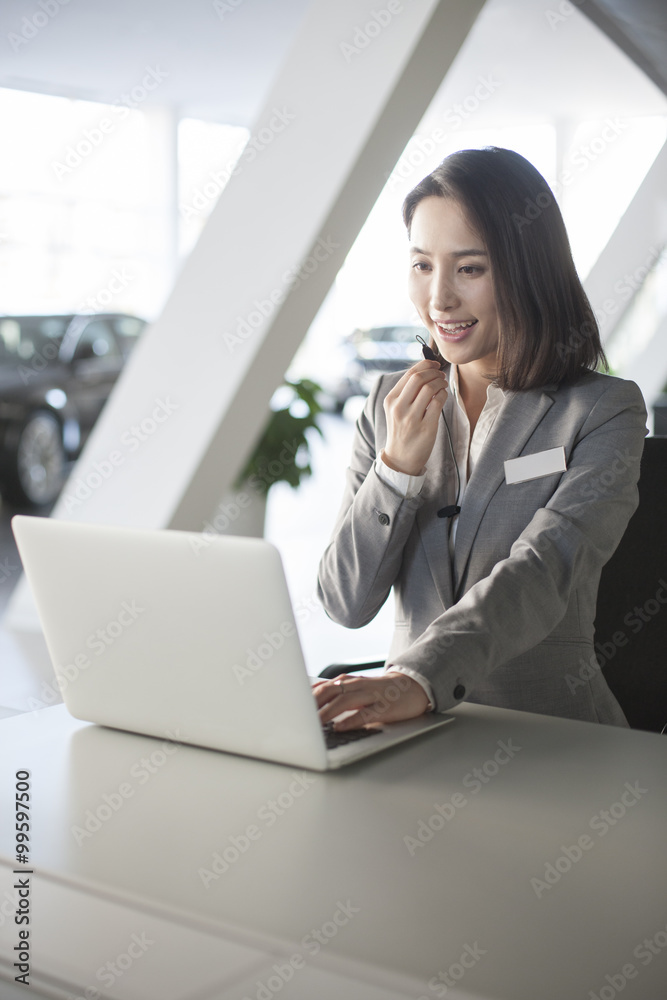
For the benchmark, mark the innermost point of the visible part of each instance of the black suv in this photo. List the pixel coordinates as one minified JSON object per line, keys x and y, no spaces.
{"x":56,"y":373}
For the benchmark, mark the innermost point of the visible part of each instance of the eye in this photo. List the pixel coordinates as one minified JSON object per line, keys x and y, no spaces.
{"x":420,"y":265}
{"x":470,"y":269}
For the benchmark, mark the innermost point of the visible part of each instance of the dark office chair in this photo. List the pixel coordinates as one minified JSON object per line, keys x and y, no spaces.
{"x":336,"y":669}
{"x":631,"y":621}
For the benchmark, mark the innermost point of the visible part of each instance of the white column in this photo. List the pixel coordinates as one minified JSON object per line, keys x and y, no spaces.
{"x":162,"y":126}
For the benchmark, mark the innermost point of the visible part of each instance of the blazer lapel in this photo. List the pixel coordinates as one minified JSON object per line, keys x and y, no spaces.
{"x":520,"y":414}
{"x":439,"y":489}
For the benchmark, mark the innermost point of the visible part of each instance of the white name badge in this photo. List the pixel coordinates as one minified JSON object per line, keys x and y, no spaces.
{"x":542,"y":463}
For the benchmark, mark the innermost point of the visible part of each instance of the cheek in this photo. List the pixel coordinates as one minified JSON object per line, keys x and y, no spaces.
{"x":486,"y":307}
{"x":490,"y":304}
{"x":417,"y":291}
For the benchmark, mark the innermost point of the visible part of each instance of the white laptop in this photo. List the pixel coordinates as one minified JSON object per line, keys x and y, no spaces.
{"x":186,"y":636}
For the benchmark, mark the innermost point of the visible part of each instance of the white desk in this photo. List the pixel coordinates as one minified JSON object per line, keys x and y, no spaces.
{"x":335,"y":861}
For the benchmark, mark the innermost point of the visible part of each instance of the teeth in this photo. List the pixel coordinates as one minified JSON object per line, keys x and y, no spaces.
{"x":455,"y":327}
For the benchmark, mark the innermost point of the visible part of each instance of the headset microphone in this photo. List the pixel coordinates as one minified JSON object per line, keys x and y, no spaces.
{"x":426,"y":350}
{"x":453,"y":509}
{"x":449,"y":511}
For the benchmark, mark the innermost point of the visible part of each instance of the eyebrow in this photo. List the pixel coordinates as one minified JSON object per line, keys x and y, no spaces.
{"x":455,"y":253}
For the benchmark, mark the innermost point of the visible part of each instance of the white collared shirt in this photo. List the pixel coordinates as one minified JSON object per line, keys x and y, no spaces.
{"x":466,"y":452}
{"x":466,"y":449}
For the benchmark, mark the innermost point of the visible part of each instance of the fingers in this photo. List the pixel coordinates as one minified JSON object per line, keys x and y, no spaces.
{"x":415,"y":379}
{"x":370,"y":699}
{"x":374,"y":712}
{"x":412,"y":414}
{"x":429,"y":392}
{"x":363,"y":705}
{"x":328,"y":693}
{"x":333,"y":698}
{"x":423,"y":369}
{"x":436,"y":402}
{"x":411,"y":400}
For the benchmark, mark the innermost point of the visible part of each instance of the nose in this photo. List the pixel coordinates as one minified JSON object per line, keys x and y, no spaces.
{"x":443,"y":295}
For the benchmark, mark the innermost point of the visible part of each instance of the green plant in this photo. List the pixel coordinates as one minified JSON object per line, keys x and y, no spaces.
{"x":282,"y":453}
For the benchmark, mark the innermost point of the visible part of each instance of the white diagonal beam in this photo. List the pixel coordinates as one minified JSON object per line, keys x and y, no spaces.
{"x":620,"y":271}
{"x":631,"y":250}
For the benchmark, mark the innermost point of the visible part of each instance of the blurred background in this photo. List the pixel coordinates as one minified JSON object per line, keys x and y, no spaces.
{"x":121,"y":125}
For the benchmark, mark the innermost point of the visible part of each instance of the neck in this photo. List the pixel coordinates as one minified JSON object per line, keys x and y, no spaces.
{"x":473,"y":383}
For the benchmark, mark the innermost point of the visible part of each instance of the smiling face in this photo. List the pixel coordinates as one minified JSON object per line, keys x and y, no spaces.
{"x":451,"y":285}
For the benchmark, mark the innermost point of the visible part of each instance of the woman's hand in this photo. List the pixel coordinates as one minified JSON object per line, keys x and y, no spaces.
{"x":389,"y":698}
{"x":413,"y":409}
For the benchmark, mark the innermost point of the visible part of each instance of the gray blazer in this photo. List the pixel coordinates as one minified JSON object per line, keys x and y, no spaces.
{"x":510,"y":621}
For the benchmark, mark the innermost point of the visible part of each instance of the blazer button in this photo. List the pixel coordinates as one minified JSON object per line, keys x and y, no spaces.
{"x":459,"y":691}
{"x":383,"y":518}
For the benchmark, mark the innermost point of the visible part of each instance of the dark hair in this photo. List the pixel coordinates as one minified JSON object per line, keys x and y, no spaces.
{"x":548,"y":330}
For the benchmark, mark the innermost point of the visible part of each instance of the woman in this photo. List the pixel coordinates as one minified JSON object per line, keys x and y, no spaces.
{"x":495,"y":567}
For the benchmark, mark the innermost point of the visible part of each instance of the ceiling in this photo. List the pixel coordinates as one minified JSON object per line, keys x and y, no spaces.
{"x":218,"y":57}
{"x":219,"y":62}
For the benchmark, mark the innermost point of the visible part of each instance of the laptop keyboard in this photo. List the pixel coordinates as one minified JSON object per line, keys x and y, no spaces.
{"x":335,"y":738}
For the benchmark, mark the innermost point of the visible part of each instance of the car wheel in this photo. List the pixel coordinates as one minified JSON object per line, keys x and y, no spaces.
{"x":38,"y":473}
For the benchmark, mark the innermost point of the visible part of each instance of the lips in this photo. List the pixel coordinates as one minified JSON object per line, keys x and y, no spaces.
{"x":455,"y":331}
